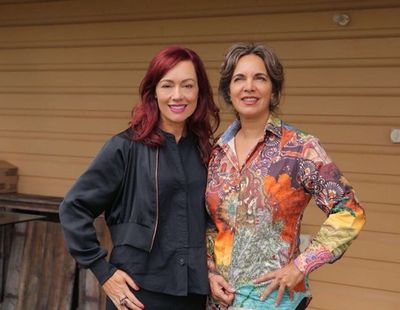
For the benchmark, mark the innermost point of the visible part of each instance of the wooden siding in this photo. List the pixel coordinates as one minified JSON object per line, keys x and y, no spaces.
{"x":40,"y":272}
{"x":69,"y":72}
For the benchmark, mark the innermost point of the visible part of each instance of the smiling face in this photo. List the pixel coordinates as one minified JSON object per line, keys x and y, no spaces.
{"x":177,"y":94}
{"x":251,"y":88}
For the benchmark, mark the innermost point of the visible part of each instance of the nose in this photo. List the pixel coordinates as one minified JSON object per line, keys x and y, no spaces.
{"x":249,"y":85}
{"x":177,"y":94}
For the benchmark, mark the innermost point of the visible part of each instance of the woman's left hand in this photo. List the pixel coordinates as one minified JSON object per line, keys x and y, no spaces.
{"x":286,"y":277}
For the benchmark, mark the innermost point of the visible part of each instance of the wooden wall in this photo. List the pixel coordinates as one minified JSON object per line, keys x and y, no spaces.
{"x":69,"y":72}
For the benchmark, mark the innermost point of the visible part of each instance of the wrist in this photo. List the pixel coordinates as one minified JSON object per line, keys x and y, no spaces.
{"x":212,"y":273}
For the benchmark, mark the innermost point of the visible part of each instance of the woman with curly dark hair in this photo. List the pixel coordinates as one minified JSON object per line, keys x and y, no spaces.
{"x":261,"y":176}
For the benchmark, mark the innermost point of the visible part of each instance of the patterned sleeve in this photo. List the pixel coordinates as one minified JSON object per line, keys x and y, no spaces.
{"x":211,"y":229}
{"x":335,"y":196}
{"x":211,"y":233}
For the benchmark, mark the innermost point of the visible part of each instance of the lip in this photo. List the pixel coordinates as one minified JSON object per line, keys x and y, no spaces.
{"x":249,"y":100}
{"x":177,"y":108}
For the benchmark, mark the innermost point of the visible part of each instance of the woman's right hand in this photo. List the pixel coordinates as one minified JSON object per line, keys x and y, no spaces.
{"x":117,"y":289}
{"x":221,"y":291}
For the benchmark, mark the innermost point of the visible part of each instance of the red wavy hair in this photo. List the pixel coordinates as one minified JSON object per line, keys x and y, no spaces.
{"x":146,"y":116}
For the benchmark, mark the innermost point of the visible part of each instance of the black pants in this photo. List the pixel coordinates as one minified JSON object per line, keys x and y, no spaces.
{"x":302,"y":305}
{"x":159,"y":301}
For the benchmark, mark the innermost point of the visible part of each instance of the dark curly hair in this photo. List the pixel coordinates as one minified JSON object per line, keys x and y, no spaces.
{"x":272,"y":64}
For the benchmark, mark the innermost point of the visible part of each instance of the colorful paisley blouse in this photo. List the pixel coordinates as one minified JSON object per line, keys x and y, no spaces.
{"x":257,"y":211}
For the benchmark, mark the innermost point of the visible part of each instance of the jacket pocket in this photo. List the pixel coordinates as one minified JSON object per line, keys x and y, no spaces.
{"x":132,"y":234}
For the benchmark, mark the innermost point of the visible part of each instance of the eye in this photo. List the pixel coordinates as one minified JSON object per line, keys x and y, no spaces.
{"x":237,"y":78}
{"x":189,"y":86}
{"x":166,"y":86}
{"x":261,"y":78}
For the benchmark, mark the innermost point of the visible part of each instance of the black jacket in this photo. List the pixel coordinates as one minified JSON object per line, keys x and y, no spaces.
{"x":121,"y":168}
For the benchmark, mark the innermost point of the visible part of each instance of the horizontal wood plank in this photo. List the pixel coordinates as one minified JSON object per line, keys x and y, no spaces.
{"x":331,"y":296}
{"x":361,"y":273}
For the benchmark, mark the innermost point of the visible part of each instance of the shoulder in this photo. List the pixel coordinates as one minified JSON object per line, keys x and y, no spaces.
{"x":123,"y":139}
{"x":301,"y":144}
{"x":296,"y":135}
{"x":305,"y":145}
{"x":121,"y":143}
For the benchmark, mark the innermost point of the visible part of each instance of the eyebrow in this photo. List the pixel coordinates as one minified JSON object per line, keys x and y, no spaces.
{"x":258,"y":73}
{"x":183,"y":81}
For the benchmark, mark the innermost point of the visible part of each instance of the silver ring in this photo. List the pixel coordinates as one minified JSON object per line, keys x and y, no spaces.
{"x":122,"y":301}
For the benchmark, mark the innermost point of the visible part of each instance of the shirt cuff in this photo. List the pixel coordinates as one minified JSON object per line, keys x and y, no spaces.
{"x":310,"y":260}
{"x":102,"y":270}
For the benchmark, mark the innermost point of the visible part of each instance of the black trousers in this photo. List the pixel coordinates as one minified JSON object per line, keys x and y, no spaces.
{"x":159,"y":301}
{"x":303,"y":304}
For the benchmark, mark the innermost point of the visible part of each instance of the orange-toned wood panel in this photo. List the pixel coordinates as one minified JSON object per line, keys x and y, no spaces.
{"x":331,"y":296}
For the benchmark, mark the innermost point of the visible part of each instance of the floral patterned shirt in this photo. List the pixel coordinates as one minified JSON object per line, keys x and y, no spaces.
{"x":257,"y":211}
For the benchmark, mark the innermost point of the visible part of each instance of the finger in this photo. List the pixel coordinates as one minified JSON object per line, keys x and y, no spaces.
{"x":133,"y":305}
{"x":221,"y":296}
{"x":225,"y":285}
{"x":218,"y":283}
{"x":130,"y":282}
{"x":229,"y":288}
{"x":121,"y":304}
{"x":137,"y":302}
{"x":231,"y":297}
{"x":215,"y":288}
{"x":224,"y":298}
{"x":291,"y":294}
{"x":268,"y":290}
{"x":115,"y":303}
{"x":124,"y":307}
{"x":133,"y":298}
{"x":265,"y":277}
{"x":280,"y":294}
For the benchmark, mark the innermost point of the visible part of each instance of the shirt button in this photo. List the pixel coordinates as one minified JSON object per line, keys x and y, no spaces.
{"x":181,"y":261}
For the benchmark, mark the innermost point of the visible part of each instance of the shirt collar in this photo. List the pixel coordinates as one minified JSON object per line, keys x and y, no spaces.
{"x":170,"y":137}
{"x":274,"y":126}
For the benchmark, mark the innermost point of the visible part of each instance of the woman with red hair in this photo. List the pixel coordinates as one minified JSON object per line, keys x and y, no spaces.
{"x":150,"y":181}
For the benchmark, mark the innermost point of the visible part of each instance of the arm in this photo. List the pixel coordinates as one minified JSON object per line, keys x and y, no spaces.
{"x":335,"y":196}
{"x":221,"y":291}
{"x":92,"y":193}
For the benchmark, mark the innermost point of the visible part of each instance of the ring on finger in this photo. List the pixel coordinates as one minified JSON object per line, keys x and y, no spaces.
{"x":122,"y":301}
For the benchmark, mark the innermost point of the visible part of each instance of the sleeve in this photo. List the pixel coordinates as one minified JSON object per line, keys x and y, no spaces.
{"x":93,"y":192}
{"x":335,"y":196}
{"x":211,"y":229}
{"x":211,"y":233}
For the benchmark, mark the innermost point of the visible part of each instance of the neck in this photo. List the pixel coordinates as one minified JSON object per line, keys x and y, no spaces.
{"x":178,"y":130}
{"x":253,"y":128}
